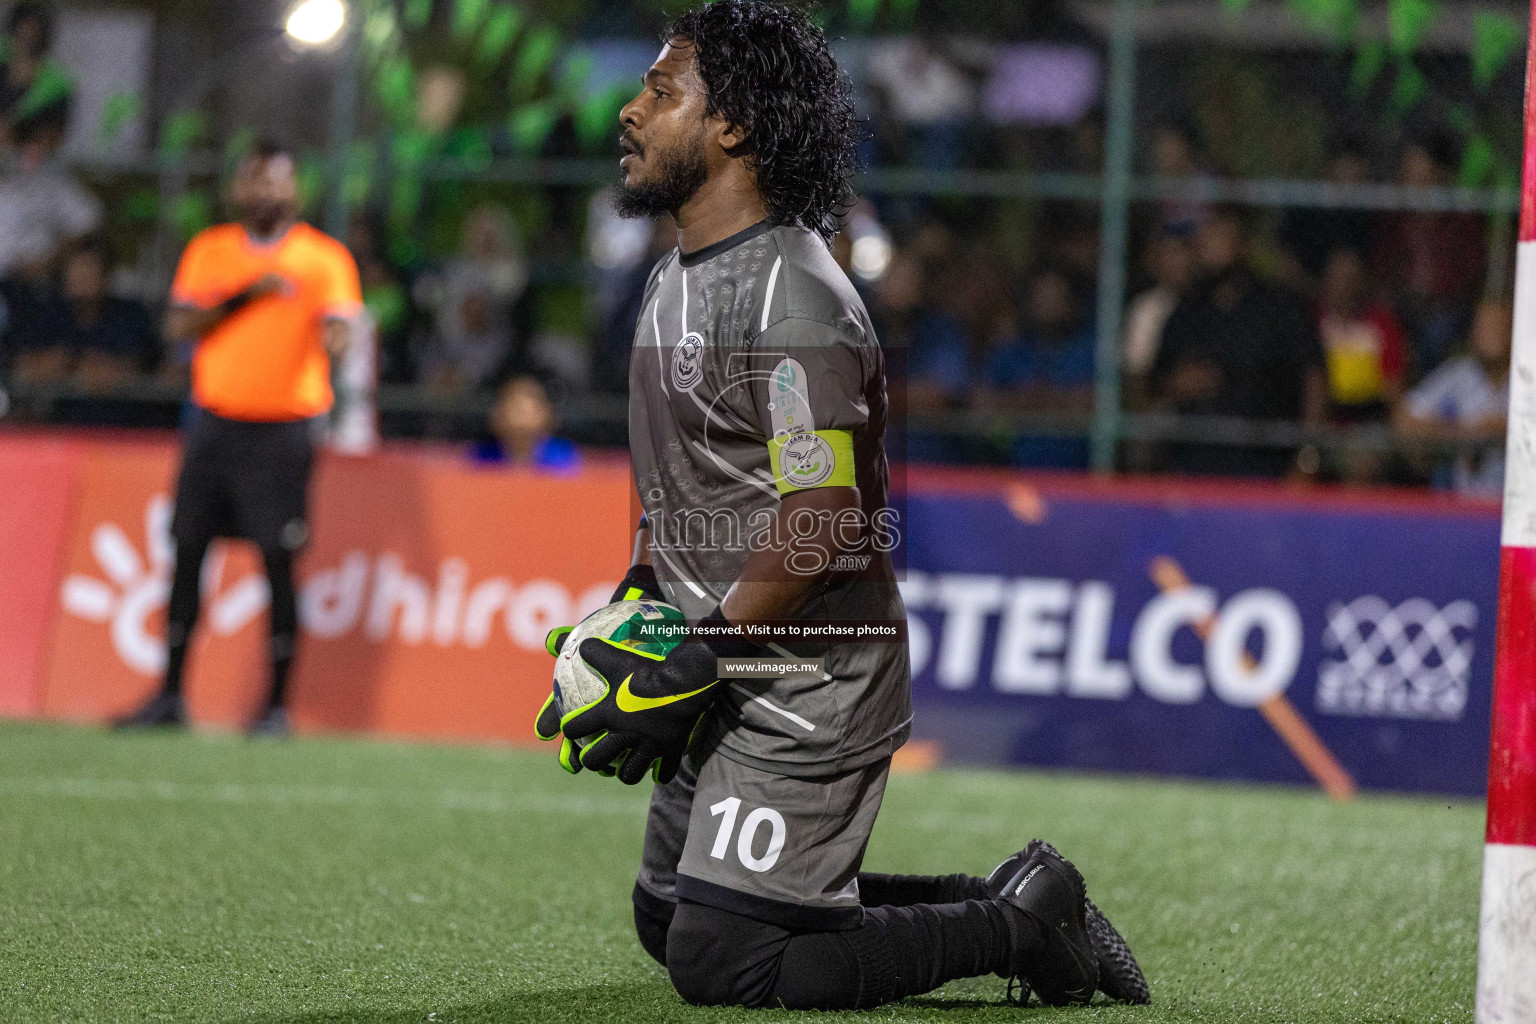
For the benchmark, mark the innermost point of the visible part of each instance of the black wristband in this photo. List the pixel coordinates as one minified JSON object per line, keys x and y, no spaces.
{"x":642,"y":580}
{"x":235,"y":303}
{"x":717,"y":633}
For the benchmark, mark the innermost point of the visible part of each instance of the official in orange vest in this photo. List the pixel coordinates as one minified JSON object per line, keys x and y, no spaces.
{"x":269,"y":301}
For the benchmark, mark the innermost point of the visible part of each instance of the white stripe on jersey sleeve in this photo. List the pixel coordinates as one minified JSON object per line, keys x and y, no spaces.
{"x":773,"y":279}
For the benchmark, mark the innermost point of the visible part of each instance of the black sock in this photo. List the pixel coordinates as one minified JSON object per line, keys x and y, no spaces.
{"x":904,"y":890}
{"x":716,"y":957}
{"x":181,"y":614}
{"x":906,"y":951}
{"x":285,"y":621}
{"x":1025,"y":933}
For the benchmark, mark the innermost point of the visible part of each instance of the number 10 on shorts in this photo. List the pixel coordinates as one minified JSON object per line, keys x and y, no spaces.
{"x":729,"y":807}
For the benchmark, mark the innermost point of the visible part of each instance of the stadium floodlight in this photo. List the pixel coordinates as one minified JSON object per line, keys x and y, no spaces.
{"x":871,"y":255}
{"x":316,"y":22}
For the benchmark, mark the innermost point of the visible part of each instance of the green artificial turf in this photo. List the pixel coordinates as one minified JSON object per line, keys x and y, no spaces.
{"x":207,"y":878}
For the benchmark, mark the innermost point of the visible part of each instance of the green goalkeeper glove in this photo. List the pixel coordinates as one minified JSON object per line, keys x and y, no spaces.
{"x":650,"y":711}
{"x":654,"y":703}
{"x":639,"y":584}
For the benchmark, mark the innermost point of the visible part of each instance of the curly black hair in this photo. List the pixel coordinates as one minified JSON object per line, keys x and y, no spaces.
{"x":768,"y":70}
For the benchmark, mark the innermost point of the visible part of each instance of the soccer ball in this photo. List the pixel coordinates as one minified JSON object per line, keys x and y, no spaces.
{"x":631,"y":623}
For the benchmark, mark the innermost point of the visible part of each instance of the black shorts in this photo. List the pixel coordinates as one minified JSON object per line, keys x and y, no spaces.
{"x":245,"y":479}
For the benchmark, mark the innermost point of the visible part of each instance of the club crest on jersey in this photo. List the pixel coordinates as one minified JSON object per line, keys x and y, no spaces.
{"x":806,"y":460}
{"x":688,"y":361}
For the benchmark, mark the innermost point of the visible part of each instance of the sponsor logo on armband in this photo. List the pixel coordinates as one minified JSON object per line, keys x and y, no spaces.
{"x":806,"y":460}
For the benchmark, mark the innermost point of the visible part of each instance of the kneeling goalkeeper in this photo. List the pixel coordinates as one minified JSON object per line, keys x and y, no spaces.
{"x":757,"y":423}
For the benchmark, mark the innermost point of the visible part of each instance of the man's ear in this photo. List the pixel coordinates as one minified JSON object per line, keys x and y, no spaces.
{"x":733,"y":139}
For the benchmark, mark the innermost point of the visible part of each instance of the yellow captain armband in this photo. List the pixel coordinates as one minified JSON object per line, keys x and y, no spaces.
{"x":807,"y":459}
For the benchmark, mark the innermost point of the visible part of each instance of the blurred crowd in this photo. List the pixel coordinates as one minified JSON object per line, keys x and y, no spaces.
{"x":1307,"y":316}
{"x":58,"y":317}
{"x":1311,"y":317}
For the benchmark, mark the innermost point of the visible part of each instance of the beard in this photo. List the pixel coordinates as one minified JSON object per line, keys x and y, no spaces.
{"x":680,"y":172}
{"x":266,"y":218}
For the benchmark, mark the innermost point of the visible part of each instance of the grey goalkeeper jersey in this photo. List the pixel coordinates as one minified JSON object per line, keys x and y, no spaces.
{"x":755,"y":372}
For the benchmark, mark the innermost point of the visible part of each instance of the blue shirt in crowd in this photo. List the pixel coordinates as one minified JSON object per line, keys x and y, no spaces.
{"x":1030,"y":361}
{"x":1066,"y":363}
{"x":941,"y":352}
{"x":552,"y":455}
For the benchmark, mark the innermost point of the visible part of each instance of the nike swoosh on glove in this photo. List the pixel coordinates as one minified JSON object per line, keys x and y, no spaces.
{"x":648,"y":715}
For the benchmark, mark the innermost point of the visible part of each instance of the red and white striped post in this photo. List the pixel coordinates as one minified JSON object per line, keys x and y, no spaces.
{"x":1506,"y":955}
